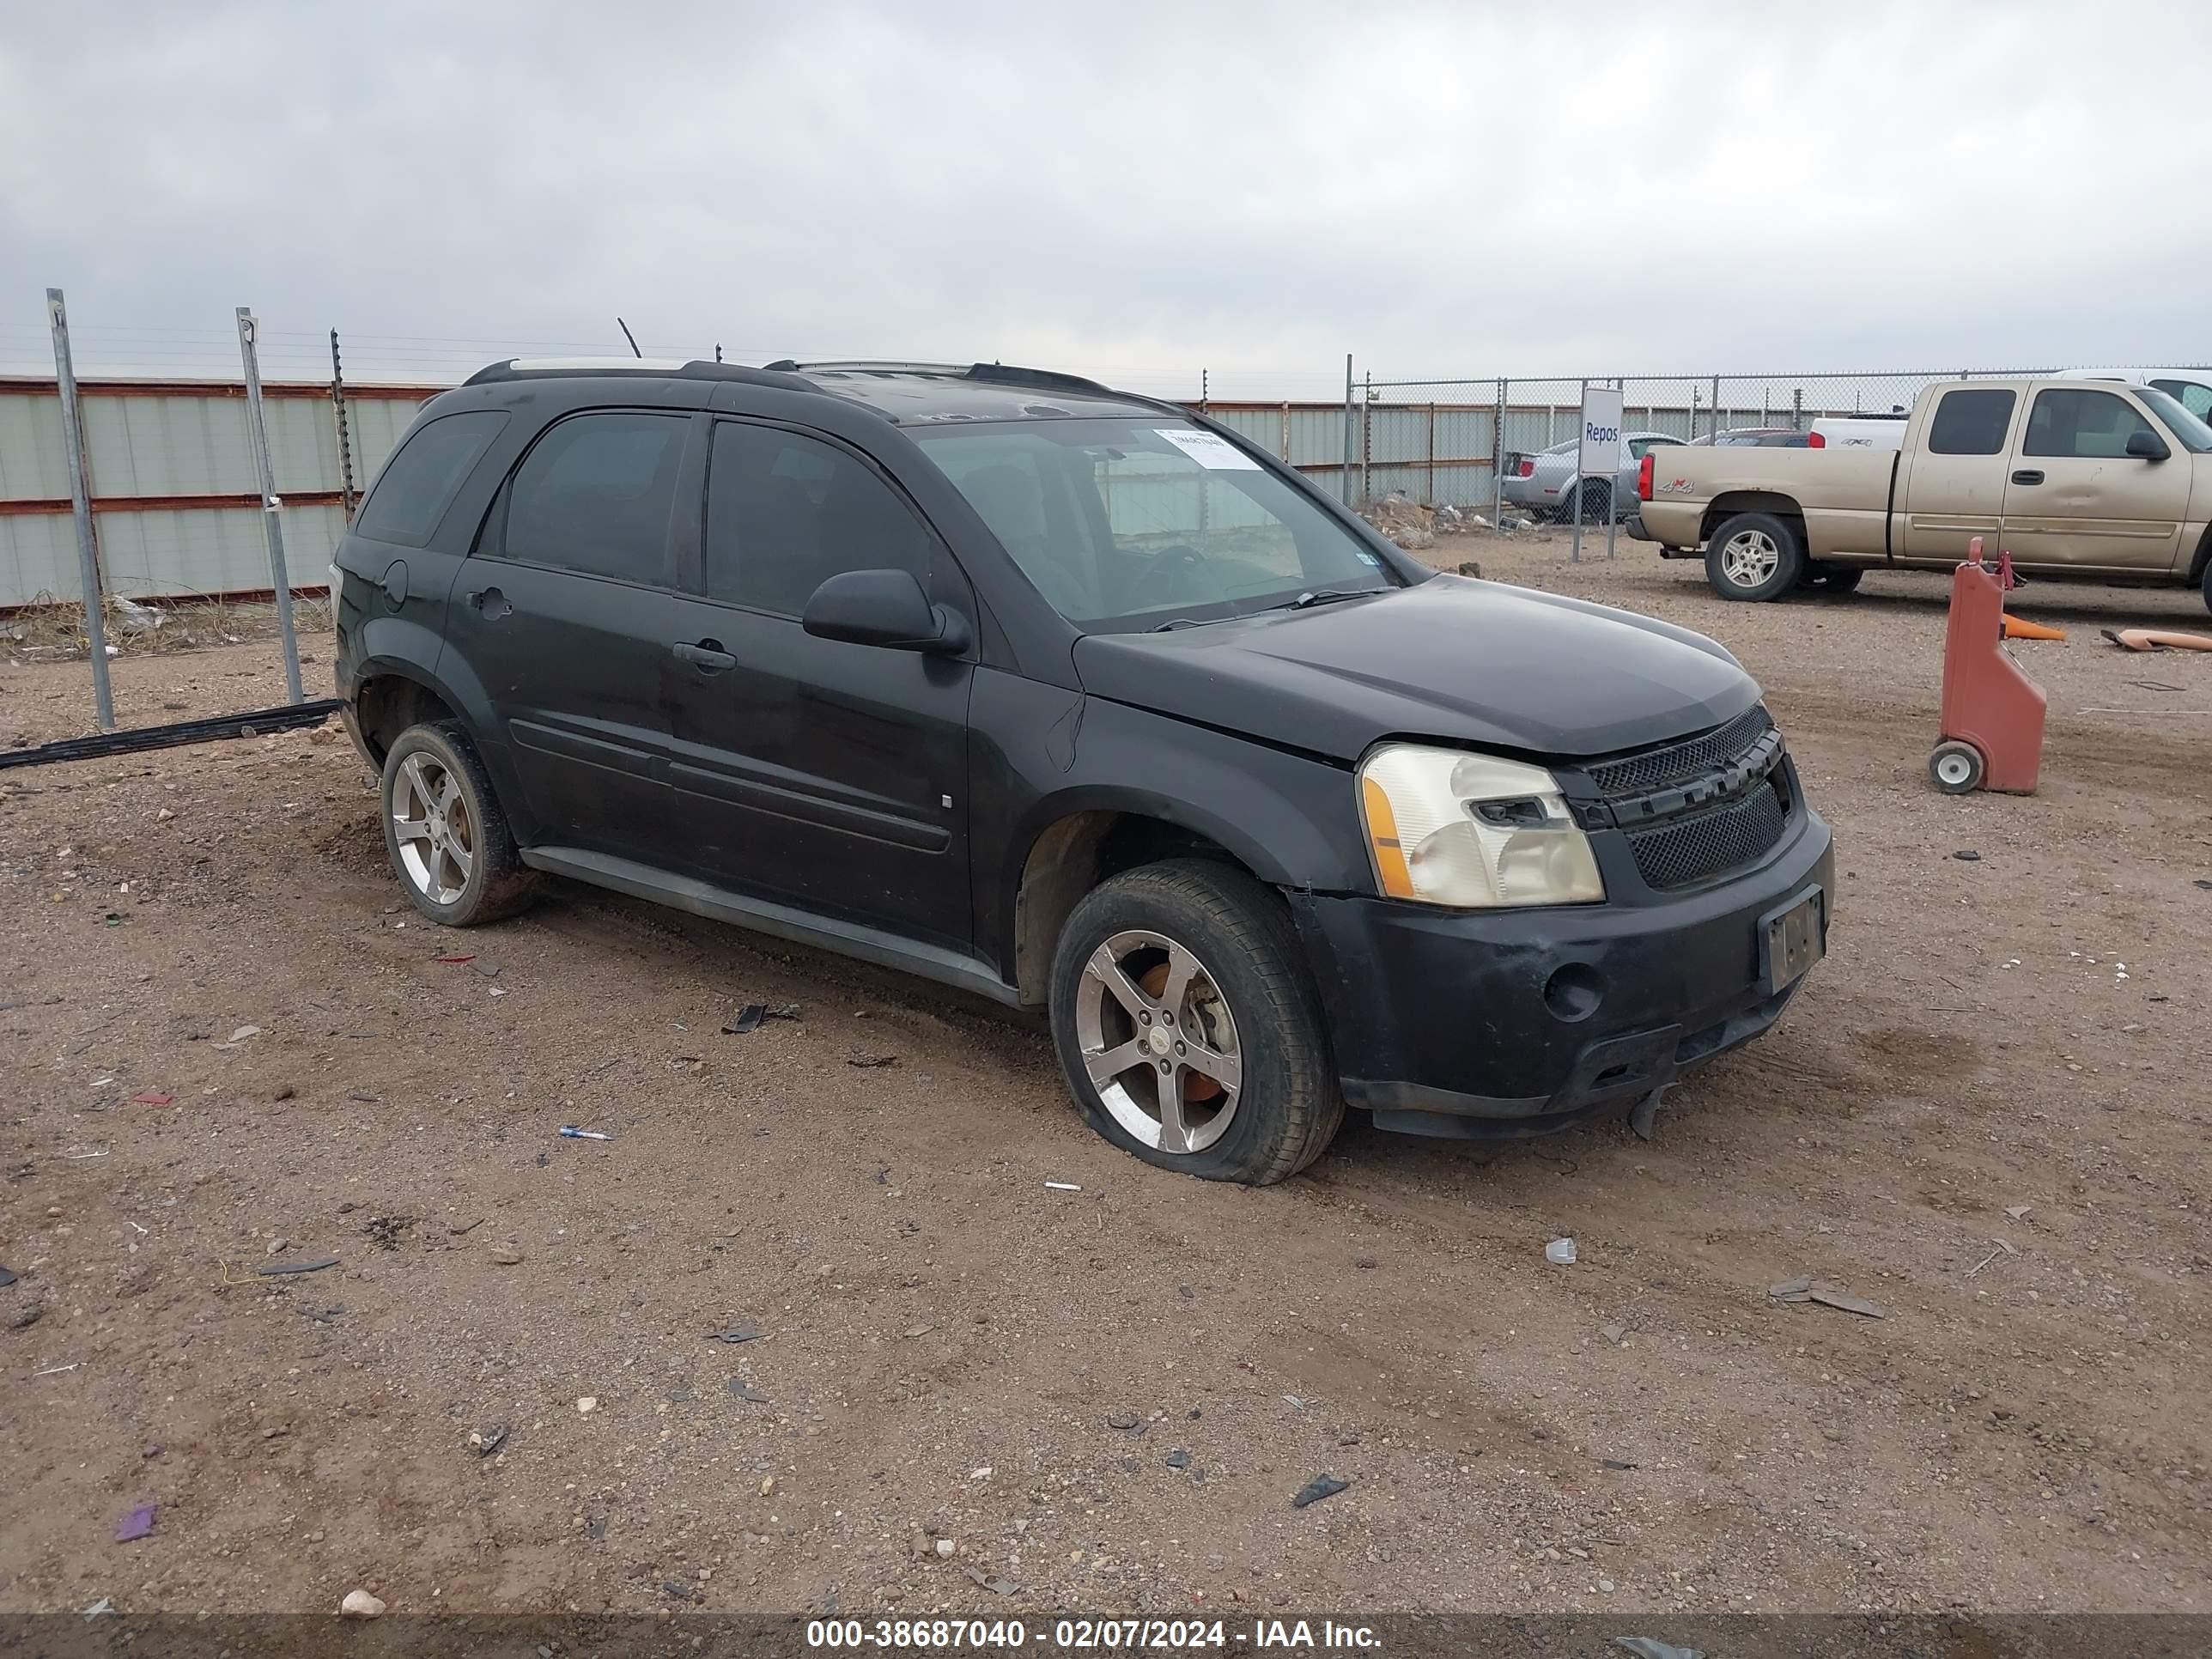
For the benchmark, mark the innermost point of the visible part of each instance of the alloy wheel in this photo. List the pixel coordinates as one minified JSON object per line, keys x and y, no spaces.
{"x":1158,"y":1042}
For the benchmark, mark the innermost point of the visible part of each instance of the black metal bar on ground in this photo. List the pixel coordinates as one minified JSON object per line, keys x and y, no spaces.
{"x":257,"y":723}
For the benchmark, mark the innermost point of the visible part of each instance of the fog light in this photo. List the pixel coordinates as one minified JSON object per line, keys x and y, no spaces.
{"x":1574,"y":992}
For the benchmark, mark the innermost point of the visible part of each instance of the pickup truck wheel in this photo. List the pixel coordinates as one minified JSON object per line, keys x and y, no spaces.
{"x":1187,"y":1028}
{"x":2208,"y":587}
{"x":1834,"y":578}
{"x":447,"y":839}
{"x":1753,"y":556}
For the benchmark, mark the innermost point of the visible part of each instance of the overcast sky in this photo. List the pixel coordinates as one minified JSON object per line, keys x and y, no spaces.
{"x":1133,"y":190}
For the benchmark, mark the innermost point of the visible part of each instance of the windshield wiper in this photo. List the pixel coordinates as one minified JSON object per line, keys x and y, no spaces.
{"x":1173,"y":622}
{"x":1313,"y":597}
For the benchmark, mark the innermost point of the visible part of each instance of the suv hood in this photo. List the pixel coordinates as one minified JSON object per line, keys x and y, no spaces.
{"x":1468,"y":661}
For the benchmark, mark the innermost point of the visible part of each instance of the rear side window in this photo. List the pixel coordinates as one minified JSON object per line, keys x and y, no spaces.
{"x":419,"y":483}
{"x":1971,"y":422}
{"x":2082,"y":424}
{"x":593,"y":495}
{"x":785,"y":513}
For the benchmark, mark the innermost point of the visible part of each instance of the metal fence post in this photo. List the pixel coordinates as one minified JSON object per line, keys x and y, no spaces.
{"x":1432,"y":453}
{"x":1367,"y":443}
{"x":345,"y":432}
{"x":1575,"y":555}
{"x":1498,"y":456}
{"x":1345,"y":490}
{"x":1285,"y":451}
{"x":88,"y":547}
{"x":1717,"y":410}
{"x":271,"y":503}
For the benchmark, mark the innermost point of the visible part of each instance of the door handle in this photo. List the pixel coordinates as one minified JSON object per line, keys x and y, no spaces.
{"x":707,"y":657}
{"x":491,"y":602}
{"x":2027,"y":476}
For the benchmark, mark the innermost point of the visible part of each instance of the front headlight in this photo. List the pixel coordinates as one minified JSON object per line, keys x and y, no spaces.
{"x":1448,"y":827}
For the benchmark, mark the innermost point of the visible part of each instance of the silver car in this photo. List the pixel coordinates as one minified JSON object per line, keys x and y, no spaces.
{"x":1546,"y":481}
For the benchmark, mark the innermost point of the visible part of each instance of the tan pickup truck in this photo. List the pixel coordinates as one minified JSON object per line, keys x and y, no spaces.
{"x":2111,"y":482}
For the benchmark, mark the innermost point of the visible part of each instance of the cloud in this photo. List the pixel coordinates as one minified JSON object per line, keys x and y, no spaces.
{"x":1141,"y":192}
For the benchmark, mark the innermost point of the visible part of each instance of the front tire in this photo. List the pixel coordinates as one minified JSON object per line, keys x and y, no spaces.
{"x":1187,"y":1028}
{"x":447,"y":839}
{"x":1754,"y":556}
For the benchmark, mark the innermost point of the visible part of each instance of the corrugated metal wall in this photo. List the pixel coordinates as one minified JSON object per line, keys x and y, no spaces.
{"x":174,"y":487}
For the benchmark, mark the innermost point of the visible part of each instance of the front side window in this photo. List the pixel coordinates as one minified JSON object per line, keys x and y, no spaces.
{"x":593,"y":495}
{"x":1971,"y":422}
{"x":786,"y":512}
{"x":2082,"y":424}
{"x":419,"y":482}
{"x":1123,"y":524}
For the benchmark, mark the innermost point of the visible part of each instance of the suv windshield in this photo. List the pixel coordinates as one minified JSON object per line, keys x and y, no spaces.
{"x":1121,"y":524}
{"x":2195,"y":436}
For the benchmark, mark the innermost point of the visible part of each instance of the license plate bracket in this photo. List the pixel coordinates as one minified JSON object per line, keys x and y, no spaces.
{"x":1792,"y":938}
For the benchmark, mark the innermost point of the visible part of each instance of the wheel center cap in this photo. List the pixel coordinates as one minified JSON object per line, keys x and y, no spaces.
{"x":1159,"y":1040}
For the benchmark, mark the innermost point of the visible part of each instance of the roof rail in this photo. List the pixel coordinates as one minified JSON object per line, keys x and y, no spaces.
{"x":997,"y":373}
{"x":697,"y":369}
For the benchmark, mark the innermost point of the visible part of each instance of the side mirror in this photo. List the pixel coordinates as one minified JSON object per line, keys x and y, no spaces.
{"x":883,"y":607}
{"x":2146,"y":445}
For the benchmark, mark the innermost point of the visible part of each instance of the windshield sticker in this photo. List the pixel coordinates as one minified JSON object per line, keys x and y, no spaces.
{"x":1209,"y":449}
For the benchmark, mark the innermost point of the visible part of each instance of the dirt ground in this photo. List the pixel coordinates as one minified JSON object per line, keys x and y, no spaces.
{"x":1987,"y":1115}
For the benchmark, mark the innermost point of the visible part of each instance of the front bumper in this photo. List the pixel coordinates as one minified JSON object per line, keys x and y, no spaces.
{"x":1478,"y":1024}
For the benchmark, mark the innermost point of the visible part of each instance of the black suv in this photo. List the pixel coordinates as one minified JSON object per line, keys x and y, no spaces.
{"x":1084,"y":702}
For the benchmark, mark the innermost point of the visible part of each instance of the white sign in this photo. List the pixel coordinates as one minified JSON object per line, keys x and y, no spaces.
{"x":1209,"y":449}
{"x":1601,"y":431}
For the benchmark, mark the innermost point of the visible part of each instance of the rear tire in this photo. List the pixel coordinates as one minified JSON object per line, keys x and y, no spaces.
{"x":1754,"y":556}
{"x":1197,"y":950}
{"x":2207,"y":587}
{"x":1837,"y":578}
{"x":447,"y":839}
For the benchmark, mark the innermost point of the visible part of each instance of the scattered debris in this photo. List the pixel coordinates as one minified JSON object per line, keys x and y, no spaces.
{"x":1321,"y":1486}
{"x":488,"y":969}
{"x":1648,"y":1647}
{"x":1178,"y":1459}
{"x":870,"y":1062}
{"x":1062,"y":1187}
{"x":1848,"y":1304}
{"x":2154,"y":639}
{"x":913,"y":1331}
{"x":1411,"y":526}
{"x":586,"y":1404}
{"x":6,"y":1278}
{"x":570,"y":1132}
{"x":323,"y":1316}
{"x":1614,"y":1463}
{"x":996,"y":1586}
{"x":2002,"y":1249}
{"x":747,"y":1020}
{"x":462,"y":1229}
{"x":946,"y":1545}
{"x":459,"y":958}
{"x":1791,"y":1290}
{"x":243,"y":1034}
{"x":2018,"y":1211}
{"x":384,"y":1230}
{"x":104,"y":1607}
{"x":153,"y":1097}
{"x":1123,"y":1420}
{"x":507,"y":1255}
{"x":314,"y":1265}
{"x":1615,"y":1334}
{"x":360,"y":1604}
{"x":676,"y":1588}
{"x":741,"y":1390}
{"x":1471,"y":567}
{"x":139,"y":1524}
{"x":34,"y":1309}
{"x":27,"y":1315}
{"x":1967,"y":855}
{"x":1561,"y":1251}
{"x":745,"y":1330}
